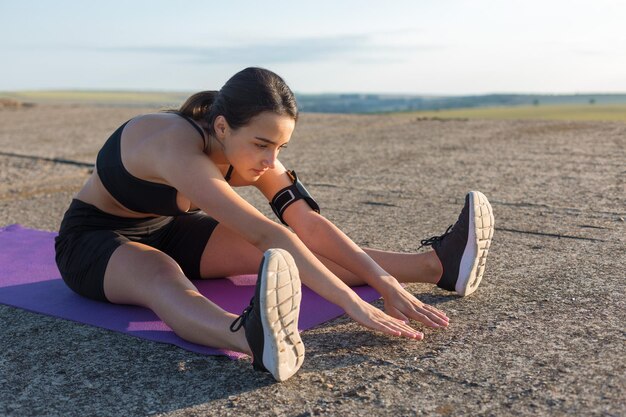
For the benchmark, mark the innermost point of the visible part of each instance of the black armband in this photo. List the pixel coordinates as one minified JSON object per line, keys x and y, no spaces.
{"x":289,"y":195}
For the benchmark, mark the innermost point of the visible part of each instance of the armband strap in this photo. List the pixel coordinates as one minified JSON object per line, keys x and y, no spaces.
{"x":289,"y":195}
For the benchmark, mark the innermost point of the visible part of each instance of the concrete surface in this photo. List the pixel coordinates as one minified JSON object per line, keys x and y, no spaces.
{"x":543,"y":335}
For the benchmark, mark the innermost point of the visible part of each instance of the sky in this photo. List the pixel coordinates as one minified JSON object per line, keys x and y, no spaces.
{"x":438,"y":47}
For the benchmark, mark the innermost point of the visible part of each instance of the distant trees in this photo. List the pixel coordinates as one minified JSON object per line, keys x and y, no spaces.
{"x":380,"y":103}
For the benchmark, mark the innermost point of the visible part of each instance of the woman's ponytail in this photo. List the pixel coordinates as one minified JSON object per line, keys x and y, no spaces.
{"x":199,"y":105}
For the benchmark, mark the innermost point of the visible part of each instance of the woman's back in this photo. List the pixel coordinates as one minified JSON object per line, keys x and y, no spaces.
{"x":125,"y":181}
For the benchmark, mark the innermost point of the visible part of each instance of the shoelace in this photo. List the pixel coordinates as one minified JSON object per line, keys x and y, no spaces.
{"x":432,"y":240}
{"x":241,"y":320}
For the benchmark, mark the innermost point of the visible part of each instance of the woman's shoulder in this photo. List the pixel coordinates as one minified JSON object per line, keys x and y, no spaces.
{"x":167,"y":118}
{"x":154,"y":136}
{"x":164,"y":124}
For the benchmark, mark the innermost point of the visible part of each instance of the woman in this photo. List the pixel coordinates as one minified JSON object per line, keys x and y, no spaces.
{"x":134,"y":234}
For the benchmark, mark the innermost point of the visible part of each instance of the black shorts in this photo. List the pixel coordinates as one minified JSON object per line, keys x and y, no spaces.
{"x":88,"y":237}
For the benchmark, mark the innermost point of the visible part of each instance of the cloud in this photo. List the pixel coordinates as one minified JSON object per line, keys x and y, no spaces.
{"x":363,"y":48}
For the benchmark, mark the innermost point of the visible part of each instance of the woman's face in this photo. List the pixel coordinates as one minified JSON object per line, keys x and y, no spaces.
{"x":254,"y":148}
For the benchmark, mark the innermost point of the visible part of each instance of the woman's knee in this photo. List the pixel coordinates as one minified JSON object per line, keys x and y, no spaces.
{"x":227,"y":253}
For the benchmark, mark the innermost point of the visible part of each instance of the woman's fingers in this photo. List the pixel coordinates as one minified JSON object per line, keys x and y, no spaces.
{"x":399,"y":326}
{"x":425,"y":313}
{"x":435,"y":311}
{"x":428,"y":320}
{"x":400,"y":329}
{"x":376,"y":319}
{"x":438,"y":313}
{"x":396,"y":314}
{"x":428,"y":317}
{"x":415,"y":310}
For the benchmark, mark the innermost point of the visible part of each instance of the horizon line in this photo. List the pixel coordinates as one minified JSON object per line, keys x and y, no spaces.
{"x":410,"y":94}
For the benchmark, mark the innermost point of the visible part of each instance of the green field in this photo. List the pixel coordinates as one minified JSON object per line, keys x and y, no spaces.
{"x":113,"y":98}
{"x":579,"y":112}
{"x":602,"y":110}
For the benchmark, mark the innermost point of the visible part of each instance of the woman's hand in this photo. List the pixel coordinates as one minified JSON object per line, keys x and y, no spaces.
{"x":376,"y":319}
{"x":401,"y":304}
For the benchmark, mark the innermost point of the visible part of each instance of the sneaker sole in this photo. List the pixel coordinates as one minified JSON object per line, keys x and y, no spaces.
{"x":281,"y":294}
{"x":481,"y":225}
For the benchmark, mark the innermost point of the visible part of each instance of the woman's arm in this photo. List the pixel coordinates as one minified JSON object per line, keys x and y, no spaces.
{"x":323,"y":238}
{"x":197,"y":178}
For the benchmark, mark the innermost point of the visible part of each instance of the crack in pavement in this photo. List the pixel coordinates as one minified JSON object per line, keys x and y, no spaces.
{"x":46,"y":159}
{"x":557,"y":235}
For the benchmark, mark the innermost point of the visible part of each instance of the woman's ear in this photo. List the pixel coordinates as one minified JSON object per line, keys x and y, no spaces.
{"x":221,"y":127}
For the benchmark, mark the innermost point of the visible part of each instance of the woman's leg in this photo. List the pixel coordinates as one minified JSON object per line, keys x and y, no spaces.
{"x":229,"y":254}
{"x":405,"y":267}
{"x":409,"y":267}
{"x":141,"y":275}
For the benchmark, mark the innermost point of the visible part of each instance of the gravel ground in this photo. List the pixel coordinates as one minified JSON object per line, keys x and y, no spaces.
{"x":543,"y":335}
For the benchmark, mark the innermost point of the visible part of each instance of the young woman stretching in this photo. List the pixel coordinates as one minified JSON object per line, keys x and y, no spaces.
{"x":160,"y":210}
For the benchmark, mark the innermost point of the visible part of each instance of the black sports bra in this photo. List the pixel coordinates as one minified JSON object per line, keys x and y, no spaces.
{"x":135,"y":193}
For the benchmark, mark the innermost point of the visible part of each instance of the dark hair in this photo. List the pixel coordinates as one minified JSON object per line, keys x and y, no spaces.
{"x":246,"y":94}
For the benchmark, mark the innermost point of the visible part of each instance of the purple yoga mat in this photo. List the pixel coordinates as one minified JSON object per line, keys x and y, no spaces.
{"x":29,"y":279}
